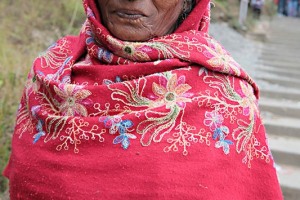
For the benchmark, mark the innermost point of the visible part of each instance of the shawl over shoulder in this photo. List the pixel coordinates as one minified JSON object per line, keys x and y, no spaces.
{"x":171,"y":118}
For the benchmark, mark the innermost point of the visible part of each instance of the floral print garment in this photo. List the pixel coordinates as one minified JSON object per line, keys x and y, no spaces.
{"x":178,"y":95}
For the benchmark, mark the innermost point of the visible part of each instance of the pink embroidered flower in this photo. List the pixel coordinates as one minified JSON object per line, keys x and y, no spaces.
{"x":248,"y":99}
{"x":33,"y":85}
{"x":73,"y":96}
{"x":172,"y":91}
{"x":219,"y":58}
{"x":213,"y":120}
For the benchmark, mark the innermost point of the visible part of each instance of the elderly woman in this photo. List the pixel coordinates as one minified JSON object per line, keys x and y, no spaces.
{"x":143,"y":104}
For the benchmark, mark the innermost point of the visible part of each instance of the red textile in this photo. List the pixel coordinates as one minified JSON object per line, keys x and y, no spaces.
{"x":171,"y":118}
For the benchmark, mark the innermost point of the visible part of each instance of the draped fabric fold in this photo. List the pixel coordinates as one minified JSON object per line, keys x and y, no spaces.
{"x":174,"y":117}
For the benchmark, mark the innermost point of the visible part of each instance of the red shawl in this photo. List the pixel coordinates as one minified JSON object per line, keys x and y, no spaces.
{"x":171,"y":118}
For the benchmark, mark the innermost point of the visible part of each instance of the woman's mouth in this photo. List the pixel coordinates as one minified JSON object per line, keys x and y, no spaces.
{"x":129,"y":14}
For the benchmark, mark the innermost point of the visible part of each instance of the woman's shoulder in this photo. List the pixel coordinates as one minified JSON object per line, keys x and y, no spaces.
{"x":58,"y":53}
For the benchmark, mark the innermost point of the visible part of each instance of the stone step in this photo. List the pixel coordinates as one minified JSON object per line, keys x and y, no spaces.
{"x":274,"y":91}
{"x":279,"y":63}
{"x":280,"y":35}
{"x":279,"y":69}
{"x":290,"y":40}
{"x":277,"y":76}
{"x":283,"y":33}
{"x":288,"y":71}
{"x":272,"y":57}
{"x":293,"y":73}
{"x":281,"y":38}
{"x":286,"y":108}
{"x":278,"y":58}
{"x":285,"y":150}
{"x":280,"y":41}
{"x":279,"y":80}
{"x":278,"y":54}
{"x":281,"y":126}
{"x":279,"y":31}
{"x":282,"y":51}
{"x":283,"y":26}
{"x":283,"y":44}
{"x":280,"y":46}
{"x":289,"y":177}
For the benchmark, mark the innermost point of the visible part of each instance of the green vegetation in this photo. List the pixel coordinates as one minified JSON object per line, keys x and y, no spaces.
{"x":27,"y":28}
{"x":225,"y":10}
{"x":228,"y":11}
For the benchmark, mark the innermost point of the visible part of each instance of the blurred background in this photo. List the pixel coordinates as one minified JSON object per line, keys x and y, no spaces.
{"x":262,"y":35}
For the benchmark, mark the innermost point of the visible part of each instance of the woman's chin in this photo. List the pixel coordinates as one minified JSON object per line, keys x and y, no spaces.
{"x":132,"y":36}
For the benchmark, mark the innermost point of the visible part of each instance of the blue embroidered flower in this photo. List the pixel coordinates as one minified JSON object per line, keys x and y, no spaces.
{"x":124,"y":137}
{"x":39,"y":128}
{"x":116,"y":124}
{"x":105,"y":55}
{"x":90,"y":13}
{"x":34,"y":111}
{"x":109,"y":82}
{"x":221,"y":133}
{"x":214,"y":121}
{"x":90,"y":39}
{"x":225,"y":144}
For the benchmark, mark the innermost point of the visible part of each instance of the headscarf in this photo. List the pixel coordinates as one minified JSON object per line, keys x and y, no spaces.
{"x":174,"y":117}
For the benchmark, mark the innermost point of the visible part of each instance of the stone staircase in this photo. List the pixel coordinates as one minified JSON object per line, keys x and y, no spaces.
{"x":278,"y":75}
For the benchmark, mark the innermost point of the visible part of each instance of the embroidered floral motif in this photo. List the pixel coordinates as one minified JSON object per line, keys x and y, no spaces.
{"x":226,"y":102}
{"x":89,"y":12}
{"x":73,"y":96}
{"x":32,"y":84}
{"x":172,"y":94}
{"x":108,"y":82}
{"x":203,"y":70}
{"x":248,"y":100}
{"x":214,"y":121}
{"x":105,"y":55}
{"x":55,"y":55}
{"x":159,"y":104}
{"x":39,"y":128}
{"x":116,"y":124}
{"x":171,"y":91}
{"x":78,"y":131}
{"x":219,"y":58}
{"x":98,"y":51}
{"x":220,"y":133}
{"x":24,"y":121}
{"x":184,"y":135}
{"x":164,"y":48}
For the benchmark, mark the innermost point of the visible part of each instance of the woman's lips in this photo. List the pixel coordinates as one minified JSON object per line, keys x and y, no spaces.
{"x":129,"y":14}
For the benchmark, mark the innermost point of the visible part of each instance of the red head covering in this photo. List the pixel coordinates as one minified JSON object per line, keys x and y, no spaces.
{"x":174,"y":117}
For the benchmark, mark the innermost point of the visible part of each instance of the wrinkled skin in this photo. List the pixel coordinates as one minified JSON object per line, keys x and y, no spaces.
{"x":140,"y":20}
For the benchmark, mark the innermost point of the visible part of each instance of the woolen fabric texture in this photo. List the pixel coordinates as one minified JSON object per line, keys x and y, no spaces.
{"x":174,"y":117}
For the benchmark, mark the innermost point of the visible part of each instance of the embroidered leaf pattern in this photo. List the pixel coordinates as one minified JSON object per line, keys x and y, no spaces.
{"x":219,"y":58}
{"x":226,"y":103}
